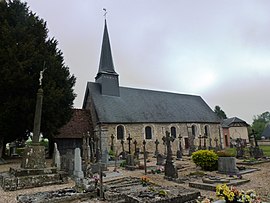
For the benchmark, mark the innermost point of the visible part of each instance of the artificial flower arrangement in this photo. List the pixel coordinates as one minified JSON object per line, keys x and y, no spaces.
{"x":232,"y":195}
{"x":145,"y":180}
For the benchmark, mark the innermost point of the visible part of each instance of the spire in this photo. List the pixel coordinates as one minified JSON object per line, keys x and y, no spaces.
{"x":106,"y":76}
{"x":106,"y":61}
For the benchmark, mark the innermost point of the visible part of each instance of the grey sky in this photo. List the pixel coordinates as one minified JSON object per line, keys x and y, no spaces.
{"x":216,"y":49}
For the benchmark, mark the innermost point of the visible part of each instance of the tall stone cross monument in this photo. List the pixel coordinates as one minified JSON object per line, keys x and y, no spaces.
{"x":34,"y":155}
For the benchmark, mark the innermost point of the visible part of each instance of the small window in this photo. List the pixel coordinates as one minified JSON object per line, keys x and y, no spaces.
{"x":120,"y":132}
{"x":148,"y":133}
{"x":173,"y":132}
{"x":193,"y":130}
{"x":206,"y":130}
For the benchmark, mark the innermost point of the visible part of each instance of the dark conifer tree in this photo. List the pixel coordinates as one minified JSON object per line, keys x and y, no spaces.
{"x":24,"y":49}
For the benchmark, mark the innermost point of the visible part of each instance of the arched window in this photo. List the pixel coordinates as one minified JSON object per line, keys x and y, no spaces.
{"x":206,"y":130}
{"x":173,"y":132}
{"x":120,"y":132}
{"x":148,"y":133}
{"x":193,"y":130}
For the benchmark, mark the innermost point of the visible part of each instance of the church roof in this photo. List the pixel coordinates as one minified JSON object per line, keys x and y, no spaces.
{"x":148,"y":106}
{"x":229,"y":122}
{"x":77,"y":126}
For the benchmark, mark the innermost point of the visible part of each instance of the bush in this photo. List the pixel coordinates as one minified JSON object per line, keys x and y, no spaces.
{"x":206,"y":159}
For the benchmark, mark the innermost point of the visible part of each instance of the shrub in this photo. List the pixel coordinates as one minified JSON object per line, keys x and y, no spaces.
{"x":206,"y":159}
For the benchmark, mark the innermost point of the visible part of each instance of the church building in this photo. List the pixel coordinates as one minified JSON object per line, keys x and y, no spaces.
{"x":145,"y":114}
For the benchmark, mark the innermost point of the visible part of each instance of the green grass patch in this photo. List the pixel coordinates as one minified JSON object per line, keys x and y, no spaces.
{"x":265,"y":148}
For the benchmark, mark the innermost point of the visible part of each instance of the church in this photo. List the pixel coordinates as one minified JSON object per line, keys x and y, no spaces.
{"x":145,"y":114}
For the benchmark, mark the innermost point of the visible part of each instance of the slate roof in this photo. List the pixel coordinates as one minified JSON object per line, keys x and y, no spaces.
{"x":226,"y":123}
{"x":79,"y":123}
{"x":266,"y":132}
{"x":148,"y":106}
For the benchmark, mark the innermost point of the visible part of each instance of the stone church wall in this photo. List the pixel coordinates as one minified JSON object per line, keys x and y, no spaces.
{"x":137,"y":132}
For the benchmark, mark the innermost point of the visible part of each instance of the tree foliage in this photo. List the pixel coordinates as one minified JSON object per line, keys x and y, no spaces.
{"x":259,"y":123}
{"x":24,"y":47}
{"x":220,"y":113}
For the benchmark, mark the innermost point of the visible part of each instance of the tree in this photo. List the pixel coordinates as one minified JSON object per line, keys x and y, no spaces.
{"x":220,"y":113}
{"x":259,"y":123}
{"x":24,"y":49}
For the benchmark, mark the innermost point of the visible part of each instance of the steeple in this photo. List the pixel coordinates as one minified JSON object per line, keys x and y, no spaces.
{"x":106,"y":76}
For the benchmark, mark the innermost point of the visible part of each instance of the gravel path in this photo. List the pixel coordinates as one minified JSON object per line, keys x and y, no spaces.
{"x":259,"y":181}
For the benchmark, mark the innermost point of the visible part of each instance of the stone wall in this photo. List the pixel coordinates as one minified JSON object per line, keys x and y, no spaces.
{"x":239,"y":132}
{"x":137,"y":132}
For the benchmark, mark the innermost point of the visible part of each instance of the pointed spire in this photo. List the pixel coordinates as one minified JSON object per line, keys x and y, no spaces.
{"x":106,"y":60}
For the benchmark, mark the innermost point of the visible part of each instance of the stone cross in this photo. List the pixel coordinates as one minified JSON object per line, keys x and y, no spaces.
{"x":165,"y":147}
{"x":112,"y":143}
{"x":210,"y":143}
{"x":170,"y":170}
{"x":216,"y":141}
{"x":122,"y":144}
{"x":191,"y":138}
{"x":156,"y":143}
{"x":200,"y":142}
{"x":129,"y":145}
{"x":204,"y":141}
{"x":144,"y":157}
{"x":136,"y":154}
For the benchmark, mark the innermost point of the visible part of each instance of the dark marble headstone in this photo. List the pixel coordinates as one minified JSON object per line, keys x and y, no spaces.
{"x":227,"y":165}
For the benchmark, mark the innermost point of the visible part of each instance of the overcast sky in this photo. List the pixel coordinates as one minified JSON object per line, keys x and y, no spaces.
{"x":218,"y":49}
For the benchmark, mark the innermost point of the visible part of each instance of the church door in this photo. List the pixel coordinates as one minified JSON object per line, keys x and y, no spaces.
{"x":186,"y":143}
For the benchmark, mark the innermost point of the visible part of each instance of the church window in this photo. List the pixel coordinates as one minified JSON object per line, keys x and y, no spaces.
{"x":148,"y":133}
{"x":173,"y":132}
{"x":120,"y":132}
{"x":193,"y":130}
{"x":206,"y":130}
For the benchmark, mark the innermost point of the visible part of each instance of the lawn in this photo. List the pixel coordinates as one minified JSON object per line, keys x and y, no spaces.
{"x":265,"y":148}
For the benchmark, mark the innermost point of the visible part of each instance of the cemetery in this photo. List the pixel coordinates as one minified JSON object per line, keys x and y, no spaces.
{"x":132,"y":177}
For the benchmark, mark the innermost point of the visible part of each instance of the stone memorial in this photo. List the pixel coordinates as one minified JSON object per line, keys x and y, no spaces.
{"x":179,"y":152}
{"x":136,"y":150}
{"x":56,"y":157}
{"x":200,"y":142}
{"x":33,"y":171}
{"x":78,"y":173}
{"x":123,"y":154}
{"x":227,"y":165}
{"x":160,"y":160}
{"x":156,"y":151}
{"x":170,"y":169}
{"x":130,"y":162}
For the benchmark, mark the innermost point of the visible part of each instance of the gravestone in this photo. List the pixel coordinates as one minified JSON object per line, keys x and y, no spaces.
{"x":217,"y":147}
{"x":204,"y":142}
{"x":160,"y":160}
{"x":56,"y":157}
{"x":137,"y":150}
{"x":191,"y":138}
{"x":67,"y":162}
{"x":156,"y":151}
{"x":210,"y":144}
{"x":170,"y":169}
{"x":227,"y":165}
{"x":179,"y":151}
{"x":129,"y":144}
{"x":112,"y":142}
{"x":144,"y":157}
{"x":130,"y":162}
{"x":123,"y":154}
{"x":239,"y":148}
{"x":78,"y":164}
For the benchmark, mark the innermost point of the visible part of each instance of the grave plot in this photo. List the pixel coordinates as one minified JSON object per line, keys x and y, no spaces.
{"x":211,"y":182}
{"x":133,"y":190}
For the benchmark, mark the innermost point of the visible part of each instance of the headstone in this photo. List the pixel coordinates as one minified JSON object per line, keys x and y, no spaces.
{"x":78,"y":164}
{"x":137,"y":150}
{"x":179,"y":151}
{"x":67,"y":162}
{"x":239,"y":148}
{"x":170,"y":169}
{"x":130,"y":162}
{"x":227,"y":165}
{"x":112,"y":142}
{"x":210,"y":144}
{"x":144,"y":157}
{"x":160,"y":160}
{"x":56,"y":157}
{"x":123,"y":154}
{"x":191,"y":138}
{"x":156,"y":151}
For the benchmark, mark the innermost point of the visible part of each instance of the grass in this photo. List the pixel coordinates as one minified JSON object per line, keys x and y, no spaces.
{"x":265,"y":148}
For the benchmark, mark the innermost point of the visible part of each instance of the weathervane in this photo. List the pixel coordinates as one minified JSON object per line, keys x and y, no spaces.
{"x":105,"y":12}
